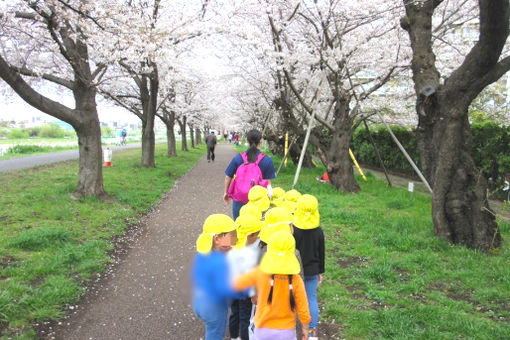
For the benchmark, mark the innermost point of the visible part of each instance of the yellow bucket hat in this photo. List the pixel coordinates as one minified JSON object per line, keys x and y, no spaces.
{"x":250,"y":209}
{"x":280,"y":257}
{"x":258,"y":196}
{"x":278,"y":194}
{"x":215,"y":224}
{"x":307,"y":215}
{"x":246,"y":225}
{"x":276,"y":219}
{"x":290,"y":200}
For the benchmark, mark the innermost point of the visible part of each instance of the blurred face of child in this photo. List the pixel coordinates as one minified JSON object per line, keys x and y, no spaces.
{"x":225,"y":241}
{"x":252,"y":238}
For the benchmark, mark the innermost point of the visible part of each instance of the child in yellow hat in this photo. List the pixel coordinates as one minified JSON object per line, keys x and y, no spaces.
{"x":277,"y":199}
{"x":290,"y":200}
{"x":258,"y":196}
{"x":241,"y":259}
{"x":250,"y":209}
{"x":211,"y":287}
{"x":281,"y":292}
{"x":310,"y":243}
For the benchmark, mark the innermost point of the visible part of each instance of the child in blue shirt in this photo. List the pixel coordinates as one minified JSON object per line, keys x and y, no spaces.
{"x":211,"y":287}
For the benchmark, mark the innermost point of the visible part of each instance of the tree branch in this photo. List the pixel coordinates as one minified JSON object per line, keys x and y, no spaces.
{"x":32,"y":97}
{"x":494,"y":29}
{"x":83,"y":14}
{"x":131,"y":108}
{"x":57,"y":80}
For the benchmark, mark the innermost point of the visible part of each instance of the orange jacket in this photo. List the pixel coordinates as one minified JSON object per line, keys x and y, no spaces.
{"x":277,"y":315}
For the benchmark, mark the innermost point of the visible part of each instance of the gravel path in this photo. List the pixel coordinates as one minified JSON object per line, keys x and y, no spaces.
{"x":146,"y":295}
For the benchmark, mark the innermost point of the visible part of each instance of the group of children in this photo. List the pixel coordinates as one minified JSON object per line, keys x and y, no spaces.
{"x":271,"y":256}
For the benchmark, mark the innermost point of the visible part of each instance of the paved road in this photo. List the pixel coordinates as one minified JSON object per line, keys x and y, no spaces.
{"x":30,"y":161}
{"x":146,"y":295}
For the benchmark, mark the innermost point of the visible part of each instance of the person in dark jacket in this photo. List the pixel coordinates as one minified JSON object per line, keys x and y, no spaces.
{"x":310,"y":243}
{"x":211,"y":141}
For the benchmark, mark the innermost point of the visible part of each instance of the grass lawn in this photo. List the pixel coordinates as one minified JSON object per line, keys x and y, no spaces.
{"x":34,"y":146}
{"x":52,"y":246}
{"x":387,"y":275}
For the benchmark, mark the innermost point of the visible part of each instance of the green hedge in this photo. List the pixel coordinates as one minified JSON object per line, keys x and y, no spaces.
{"x":490,"y":151}
{"x":392,"y":156}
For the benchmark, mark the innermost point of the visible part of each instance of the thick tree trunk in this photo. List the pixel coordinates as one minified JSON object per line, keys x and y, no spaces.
{"x":148,"y":143}
{"x":170,"y":135}
{"x":295,"y":153}
{"x":290,"y":125}
{"x":460,"y":209}
{"x":198,"y":136}
{"x":170,"y":140}
{"x":182,"y":126}
{"x":192,"y":135}
{"x":90,"y":179}
{"x":336,"y":159}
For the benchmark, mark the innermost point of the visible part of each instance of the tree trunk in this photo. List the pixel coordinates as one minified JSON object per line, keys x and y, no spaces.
{"x":459,"y":202}
{"x":148,"y":143}
{"x":90,"y":180}
{"x":149,"y":108}
{"x":170,"y":135}
{"x":198,"y":136}
{"x":295,"y":153}
{"x":184,"y":141}
{"x":336,"y":159}
{"x":192,"y":135}
{"x":460,"y":209}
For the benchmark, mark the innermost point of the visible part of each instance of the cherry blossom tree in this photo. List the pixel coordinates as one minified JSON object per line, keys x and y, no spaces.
{"x":329,"y":55}
{"x":45,"y":45}
{"x":460,"y":209}
{"x":150,"y":37}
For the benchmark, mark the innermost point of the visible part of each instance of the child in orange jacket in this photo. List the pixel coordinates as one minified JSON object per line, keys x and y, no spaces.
{"x":281,"y":291}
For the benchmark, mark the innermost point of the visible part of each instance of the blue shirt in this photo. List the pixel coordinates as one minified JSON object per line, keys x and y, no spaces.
{"x":210,"y":275}
{"x":266,"y":166}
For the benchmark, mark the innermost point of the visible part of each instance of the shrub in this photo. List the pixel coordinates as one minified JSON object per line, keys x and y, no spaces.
{"x":17,"y":134}
{"x":107,"y":131}
{"x":24,"y":149}
{"x":52,"y":131}
{"x":390,"y":153}
{"x":34,"y":131}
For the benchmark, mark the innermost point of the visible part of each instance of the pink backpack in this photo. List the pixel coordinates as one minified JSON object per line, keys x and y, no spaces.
{"x":247,"y":176}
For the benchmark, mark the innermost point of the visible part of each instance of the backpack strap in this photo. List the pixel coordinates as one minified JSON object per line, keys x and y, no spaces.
{"x":244,"y":156}
{"x":259,"y":158}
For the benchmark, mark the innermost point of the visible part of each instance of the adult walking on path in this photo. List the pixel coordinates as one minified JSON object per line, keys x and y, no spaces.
{"x":252,"y":155}
{"x":211,"y":141}
{"x":147,"y":295}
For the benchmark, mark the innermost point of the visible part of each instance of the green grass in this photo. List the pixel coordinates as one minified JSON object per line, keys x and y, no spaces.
{"x":387,"y":275}
{"x":51,"y":246}
{"x":38,"y":140}
{"x":26,"y":147}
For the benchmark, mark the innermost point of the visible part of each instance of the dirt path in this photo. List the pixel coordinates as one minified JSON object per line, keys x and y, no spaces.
{"x":146,"y":296}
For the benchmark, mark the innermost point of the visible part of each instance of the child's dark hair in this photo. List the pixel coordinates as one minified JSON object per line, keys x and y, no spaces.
{"x":291,"y":291}
{"x":253,"y":137}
